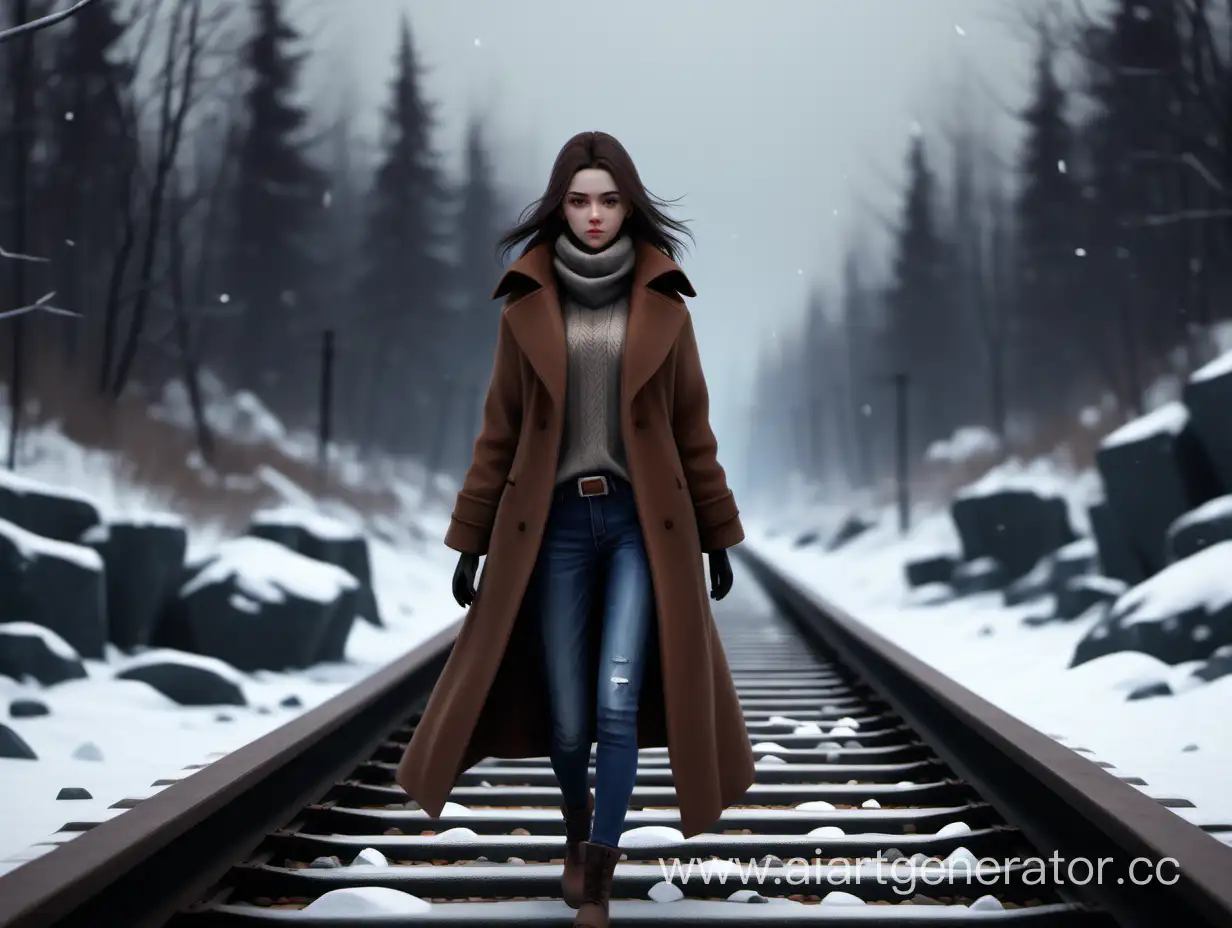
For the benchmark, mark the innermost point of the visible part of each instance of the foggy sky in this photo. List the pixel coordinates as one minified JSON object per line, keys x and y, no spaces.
{"x":783,"y":124}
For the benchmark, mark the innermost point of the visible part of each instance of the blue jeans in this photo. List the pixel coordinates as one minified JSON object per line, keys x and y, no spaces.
{"x":583,"y":536}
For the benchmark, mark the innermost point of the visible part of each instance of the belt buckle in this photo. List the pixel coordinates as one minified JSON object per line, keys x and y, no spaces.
{"x":602,"y":489}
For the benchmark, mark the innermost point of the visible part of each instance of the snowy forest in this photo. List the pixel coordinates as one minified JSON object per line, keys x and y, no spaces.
{"x":1039,"y":294}
{"x":171,"y":212}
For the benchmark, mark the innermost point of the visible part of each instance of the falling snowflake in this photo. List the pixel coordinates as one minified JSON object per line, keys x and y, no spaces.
{"x":69,"y":117}
{"x":916,"y":129}
{"x":1061,"y":166}
{"x":799,"y":270}
{"x":959,"y":29}
{"x":1080,"y":252}
{"x":327,"y":198}
{"x":70,"y":243}
{"x":224,"y":298}
{"x":478,"y":43}
{"x":866,"y":409}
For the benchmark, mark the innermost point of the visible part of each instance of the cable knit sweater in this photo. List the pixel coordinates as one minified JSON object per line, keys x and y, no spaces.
{"x":595,"y":302}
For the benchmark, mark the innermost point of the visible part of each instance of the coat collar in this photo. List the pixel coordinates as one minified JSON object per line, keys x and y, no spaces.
{"x":656,"y":313}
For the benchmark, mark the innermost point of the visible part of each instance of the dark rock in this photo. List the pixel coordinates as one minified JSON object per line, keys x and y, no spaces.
{"x":1170,"y":616}
{"x":1159,"y":451}
{"x":13,"y":746}
{"x":186,"y":679}
{"x":144,"y":557}
{"x":1151,"y":689}
{"x":852,"y":528}
{"x":1217,"y":665}
{"x":1082,"y":593}
{"x":223,"y":717}
{"x":1013,"y":527}
{"x":88,"y":750}
{"x":930,"y":570}
{"x":324,"y":539}
{"x":54,"y":584}
{"x":74,"y":792}
{"x":803,"y":540}
{"x":1208,"y":396}
{"x":1034,"y":584}
{"x":29,"y":650}
{"x":291,"y":702}
{"x":259,"y":605}
{"x":45,"y":510}
{"x":1117,"y":557}
{"x":1200,"y":528}
{"x":979,"y":576}
{"x":28,"y":709}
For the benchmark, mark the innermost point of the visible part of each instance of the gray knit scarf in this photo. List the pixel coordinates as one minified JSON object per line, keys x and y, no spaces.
{"x":594,"y":279}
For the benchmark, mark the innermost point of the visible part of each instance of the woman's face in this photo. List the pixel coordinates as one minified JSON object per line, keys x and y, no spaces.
{"x":594,"y":207}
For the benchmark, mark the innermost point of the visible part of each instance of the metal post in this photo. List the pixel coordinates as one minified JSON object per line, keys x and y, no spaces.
{"x":901,"y":382}
{"x":327,"y":388}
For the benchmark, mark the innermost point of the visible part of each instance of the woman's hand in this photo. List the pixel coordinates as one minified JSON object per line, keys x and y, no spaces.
{"x":720,"y":574}
{"x":464,"y":579}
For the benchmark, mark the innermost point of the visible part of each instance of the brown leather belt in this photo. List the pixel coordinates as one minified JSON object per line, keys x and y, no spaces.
{"x":593,"y":486}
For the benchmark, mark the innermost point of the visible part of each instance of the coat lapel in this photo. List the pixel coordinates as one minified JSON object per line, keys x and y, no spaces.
{"x":535,"y":319}
{"x":656,"y":314}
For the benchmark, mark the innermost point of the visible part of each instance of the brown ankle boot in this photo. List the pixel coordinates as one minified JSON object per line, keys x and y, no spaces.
{"x":599,"y":862}
{"x":577,"y":830}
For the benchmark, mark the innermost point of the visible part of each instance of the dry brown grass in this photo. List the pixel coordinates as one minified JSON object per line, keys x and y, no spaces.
{"x":160,"y":456}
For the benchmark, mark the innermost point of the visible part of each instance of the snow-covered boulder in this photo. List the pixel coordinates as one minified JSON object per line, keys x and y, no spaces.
{"x":188,"y":679}
{"x":1183,"y":613}
{"x":1200,"y":528}
{"x":1217,"y":665}
{"x":851,"y":528}
{"x":1052,"y":572}
{"x":1208,"y":396}
{"x":323,"y":539}
{"x":1078,"y":594}
{"x":983,"y":575}
{"x":1013,"y":526}
{"x":55,"y":584}
{"x":13,"y":746}
{"x":1117,"y":557}
{"x":29,"y":650}
{"x":46,"y":510}
{"x":260,"y":606}
{"x":927,"y":571}
{"x":1154,"y":471}
{"x":144,"y":555}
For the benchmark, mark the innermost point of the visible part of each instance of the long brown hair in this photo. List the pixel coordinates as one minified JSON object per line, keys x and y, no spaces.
{"x":542,"y":220}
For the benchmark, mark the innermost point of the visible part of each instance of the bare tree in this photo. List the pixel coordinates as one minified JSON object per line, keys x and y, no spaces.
{"x":41,"y":23}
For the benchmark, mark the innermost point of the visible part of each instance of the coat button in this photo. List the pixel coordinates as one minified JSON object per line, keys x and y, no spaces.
{"x":521,"y":526}
{"x":667,"y":524}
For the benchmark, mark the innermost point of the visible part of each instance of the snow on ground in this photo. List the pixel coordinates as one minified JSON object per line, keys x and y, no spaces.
{"x":143,"y":736}
{"x":1181,"y":745}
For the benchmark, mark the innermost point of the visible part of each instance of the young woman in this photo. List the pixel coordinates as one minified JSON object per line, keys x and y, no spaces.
{"x":594,"y":491}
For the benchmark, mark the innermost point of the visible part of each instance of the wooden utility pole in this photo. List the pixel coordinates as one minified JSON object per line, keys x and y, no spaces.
{"x":902,"y":434}
{"x":324,"y":422}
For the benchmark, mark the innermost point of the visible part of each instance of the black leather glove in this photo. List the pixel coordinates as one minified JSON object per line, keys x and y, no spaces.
{"x":720,"y":574}
{"x":464,"y":579}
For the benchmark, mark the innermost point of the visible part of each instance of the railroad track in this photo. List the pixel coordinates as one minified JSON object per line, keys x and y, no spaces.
{"x":879,"y":787}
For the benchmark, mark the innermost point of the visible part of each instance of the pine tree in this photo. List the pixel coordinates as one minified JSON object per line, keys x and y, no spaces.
{"x":278,"y":195}
{"x":91,"y":151}
{"x":477,"y":231}
{"x":405,"y":278}
{"x":1046,"y":208}
{"x":921,"y":326}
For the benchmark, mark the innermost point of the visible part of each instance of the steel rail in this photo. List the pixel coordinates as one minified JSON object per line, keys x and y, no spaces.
{"x":137,"y":869}
{"x":1063,"y":802}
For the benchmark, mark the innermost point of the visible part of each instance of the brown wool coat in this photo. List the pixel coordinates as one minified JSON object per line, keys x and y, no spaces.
{"x":490,"y":699}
